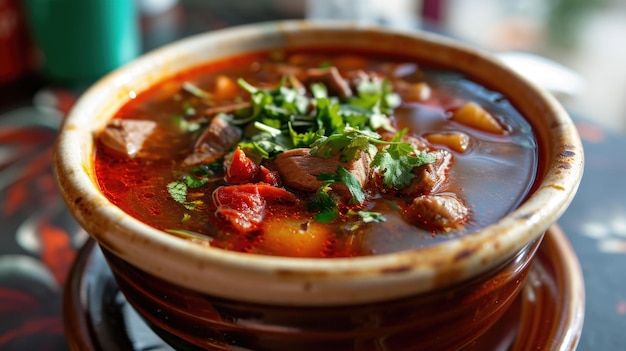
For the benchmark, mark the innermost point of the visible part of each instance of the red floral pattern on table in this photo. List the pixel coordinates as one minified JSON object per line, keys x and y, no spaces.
{"x":38,"y":240}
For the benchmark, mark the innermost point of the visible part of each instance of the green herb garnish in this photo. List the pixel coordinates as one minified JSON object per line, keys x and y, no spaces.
{"x":325,"y":204}
{"x":368,"y":216}
{"x":284,"y":117}
{"x":349,"y":143}
{"x":196,"y":91}
{"x":397,"y":161}
{"x":178,"y":190}
{"x":342,"y":175}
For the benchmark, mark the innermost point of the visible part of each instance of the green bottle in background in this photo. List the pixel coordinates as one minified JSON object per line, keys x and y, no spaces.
{"x":82,"y":40}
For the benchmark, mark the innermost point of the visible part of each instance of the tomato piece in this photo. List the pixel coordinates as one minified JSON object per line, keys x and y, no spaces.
{"x":273,"y":193}
{"x":269,"y":177}
{"x":244,"y":205}
{"x":241,"y":169}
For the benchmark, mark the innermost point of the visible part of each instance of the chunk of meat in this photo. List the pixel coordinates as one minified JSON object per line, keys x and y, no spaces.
{"x":283,"y":69}
{"x":432,"y":177}
{"x":356,"y":76}
{"x":244,"y":205}
{"x":126,"y":135}
{"x":299,"y":169}
{"x":331,"y":78}
{"x":216,"y":140}
{"x":214,"y":110}
{"x":437,"y":212}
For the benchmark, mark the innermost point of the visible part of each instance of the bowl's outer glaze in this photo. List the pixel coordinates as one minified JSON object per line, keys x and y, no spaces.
{"x":280,"y":280}
{"x":437,"y":320}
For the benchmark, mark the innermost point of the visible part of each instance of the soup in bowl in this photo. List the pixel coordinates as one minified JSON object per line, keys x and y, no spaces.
{"x":303,"y":185}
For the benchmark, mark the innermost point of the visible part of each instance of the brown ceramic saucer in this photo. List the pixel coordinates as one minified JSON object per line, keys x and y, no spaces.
{"x":548,"y":314}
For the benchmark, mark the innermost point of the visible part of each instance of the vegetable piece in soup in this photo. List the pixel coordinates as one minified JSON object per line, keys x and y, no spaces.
{"x":317,"y":154}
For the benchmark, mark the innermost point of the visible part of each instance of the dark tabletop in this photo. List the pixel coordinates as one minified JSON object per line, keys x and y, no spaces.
{"x":39,"y":240}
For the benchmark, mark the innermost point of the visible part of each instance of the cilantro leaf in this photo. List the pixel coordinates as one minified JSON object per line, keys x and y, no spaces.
{"x":263,"y":146}
{"x":376,"y":95}
{"x":368,"y":216}
{"x":357,"y":117}
{"x":396,"y":170}
{"x":186,"y":217}
{"x":353,"y":185}
{"x":349,"y":180}
{"x":304,"y":139}
{"x":325,"y":204}
{"x":196,"y":91}
{"x":184,"y":125}
{"x":328,"y":115}
{"x":397,"y":161}
{"x":194,"y":182}
{"x":319,"y":90}
{"x":349,"y":143}
{"x":178,"y":191}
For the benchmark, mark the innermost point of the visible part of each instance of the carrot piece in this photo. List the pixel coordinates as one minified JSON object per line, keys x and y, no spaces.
{"x":474,"y":116}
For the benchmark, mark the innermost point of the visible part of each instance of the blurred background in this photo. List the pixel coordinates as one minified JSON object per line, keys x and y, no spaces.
{"x":586,"y":38}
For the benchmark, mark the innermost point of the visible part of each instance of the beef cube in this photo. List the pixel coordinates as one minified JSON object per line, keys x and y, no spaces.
{"x":216,"y":140}
{"x":299,"y":169}
{"x":432,"y":177}
{"x":126,"y":135}
{"x":331,"y":78}
{"x":439,"y":212}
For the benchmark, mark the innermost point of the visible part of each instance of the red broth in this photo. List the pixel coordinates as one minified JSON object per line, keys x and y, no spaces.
{"x":491,"y":176}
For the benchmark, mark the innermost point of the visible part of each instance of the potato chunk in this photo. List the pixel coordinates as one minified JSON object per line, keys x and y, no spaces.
{"x":225,"y":88}
{"x":294,"y":237}
{"x":456,"y":141}
{"x":474,"y":116}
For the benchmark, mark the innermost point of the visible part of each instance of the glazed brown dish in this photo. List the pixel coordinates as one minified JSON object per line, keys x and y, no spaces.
{"x":317,"y":153}
{"x":188,"y":320}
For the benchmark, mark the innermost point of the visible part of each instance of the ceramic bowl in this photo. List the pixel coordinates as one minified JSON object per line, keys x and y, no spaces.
{"x":439,"y":297}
